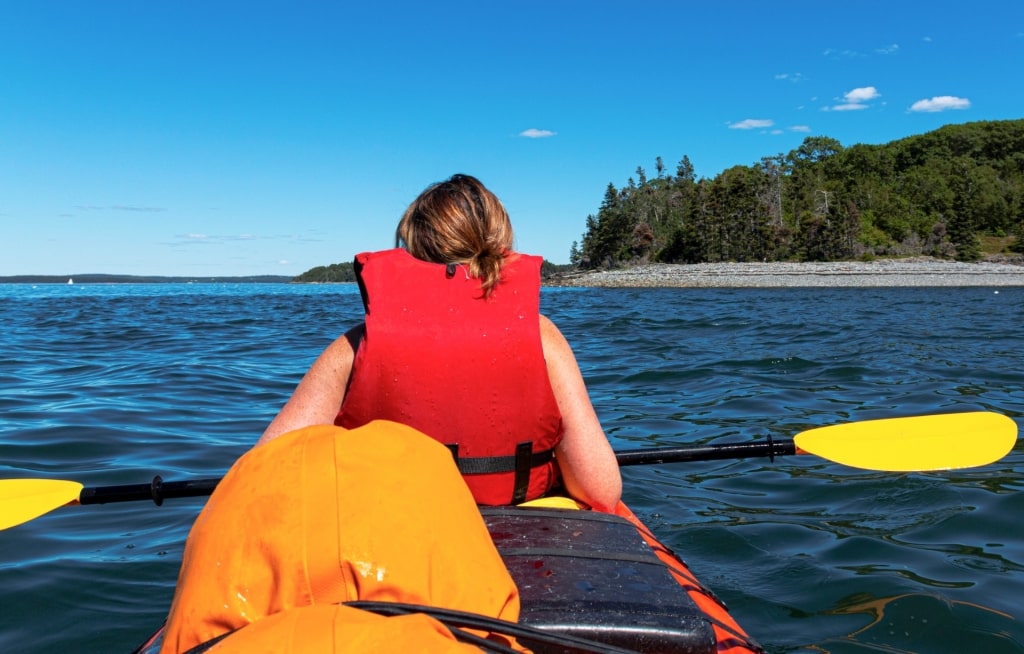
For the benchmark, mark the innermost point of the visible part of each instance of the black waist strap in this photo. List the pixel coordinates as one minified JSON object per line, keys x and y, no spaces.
{"x":524,"y":460}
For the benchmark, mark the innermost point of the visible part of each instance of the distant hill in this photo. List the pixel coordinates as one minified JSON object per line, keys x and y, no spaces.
{"x":142,"y":279}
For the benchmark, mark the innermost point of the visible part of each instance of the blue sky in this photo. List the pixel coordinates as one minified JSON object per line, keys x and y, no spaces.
{"x":217,"y":138}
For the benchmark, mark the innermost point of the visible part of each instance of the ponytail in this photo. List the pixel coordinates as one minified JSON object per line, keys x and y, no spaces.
{"x":459,"y":221}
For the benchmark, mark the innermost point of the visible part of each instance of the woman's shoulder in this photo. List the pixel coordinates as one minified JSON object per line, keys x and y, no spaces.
{"x":551,"y":337}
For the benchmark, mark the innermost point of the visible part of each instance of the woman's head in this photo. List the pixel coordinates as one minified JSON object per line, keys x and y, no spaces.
{"x":458,"y":221}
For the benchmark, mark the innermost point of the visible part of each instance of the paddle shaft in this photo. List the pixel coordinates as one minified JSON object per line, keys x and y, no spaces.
{"x":770,"y":448}
{"x":158,"y":490}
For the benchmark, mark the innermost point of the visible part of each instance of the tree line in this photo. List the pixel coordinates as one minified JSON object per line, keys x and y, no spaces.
{"x":345,"y":272}
{"x":930,"y":194}
{"x":335,"y":272}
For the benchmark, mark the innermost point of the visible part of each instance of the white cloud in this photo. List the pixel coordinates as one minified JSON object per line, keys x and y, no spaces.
{"x":855,"y":100}
{"x":862,"y":94}
{"x":752,"y":123}
{"x":283,"y":262}
{"x":888,"y":50}
{"x":940,"y":103}
{"x":534,"y":133}
{"x":799,"y":128}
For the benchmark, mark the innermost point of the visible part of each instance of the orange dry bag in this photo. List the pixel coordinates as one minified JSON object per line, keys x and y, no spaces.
{"x":325,"y":515}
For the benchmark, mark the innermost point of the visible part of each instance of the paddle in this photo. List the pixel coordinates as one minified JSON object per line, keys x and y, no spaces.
{"x":914,"y":444}
{"x":920,"y":443}
{"x":22,"y":500}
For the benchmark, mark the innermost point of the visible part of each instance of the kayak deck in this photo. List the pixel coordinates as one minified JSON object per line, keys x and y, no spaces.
{"x":605,"y":578}
{"x":591,"y":575}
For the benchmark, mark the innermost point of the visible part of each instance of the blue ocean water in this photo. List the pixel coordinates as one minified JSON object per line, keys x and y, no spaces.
{"x":112,"y":384}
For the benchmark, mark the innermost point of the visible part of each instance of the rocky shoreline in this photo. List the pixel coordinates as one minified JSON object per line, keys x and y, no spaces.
{"x":880,"y":273}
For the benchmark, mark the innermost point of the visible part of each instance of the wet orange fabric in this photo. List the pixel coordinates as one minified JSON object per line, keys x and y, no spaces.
{"x":341,"y":629}
{"x":325,"y":515}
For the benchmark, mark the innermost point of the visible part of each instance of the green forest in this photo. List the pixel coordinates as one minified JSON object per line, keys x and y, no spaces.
{"x":936,"y":194}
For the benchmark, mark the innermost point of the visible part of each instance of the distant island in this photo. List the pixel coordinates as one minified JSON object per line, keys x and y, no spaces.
{"x":141,"y":279}
{"x":345,"y":272}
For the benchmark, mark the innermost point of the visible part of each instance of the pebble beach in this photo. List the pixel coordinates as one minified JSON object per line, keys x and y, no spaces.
{"x":886,"y":272}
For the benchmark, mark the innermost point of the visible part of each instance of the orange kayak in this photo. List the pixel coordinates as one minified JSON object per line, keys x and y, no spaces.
{"x":589,"y":577}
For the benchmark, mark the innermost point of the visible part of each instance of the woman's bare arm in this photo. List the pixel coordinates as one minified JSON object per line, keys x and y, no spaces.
{"x":318,"y":396}
{"x":585,"y":457}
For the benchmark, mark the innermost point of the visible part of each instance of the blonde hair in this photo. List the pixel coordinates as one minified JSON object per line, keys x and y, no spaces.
{"x":458,"y":221}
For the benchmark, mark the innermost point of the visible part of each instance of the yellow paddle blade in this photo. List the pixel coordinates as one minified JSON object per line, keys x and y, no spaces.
{"x":24,"y":499}
{"x":552,"y":502}
{"x":936,"y":442}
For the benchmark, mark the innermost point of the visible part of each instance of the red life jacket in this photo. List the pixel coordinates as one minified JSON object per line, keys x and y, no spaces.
{"x":465,"y":370}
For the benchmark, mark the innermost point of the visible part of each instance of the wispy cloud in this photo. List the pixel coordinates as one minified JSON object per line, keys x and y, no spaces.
{"x":122,"y":207}
{"x":841,"y":54}
{"x":752,"y":123}
{"x":199,"y":238}
{"x":849,"y":106}
{"x":534,"y":133}
{"x":791,"y":128}
{"x":119,"y":207}
{"x":940,"y":103}
{"x":791,"y":77}
{"x":835,"y":53}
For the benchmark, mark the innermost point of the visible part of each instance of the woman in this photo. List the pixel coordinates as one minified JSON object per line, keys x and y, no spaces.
{"x":455,"y":346}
